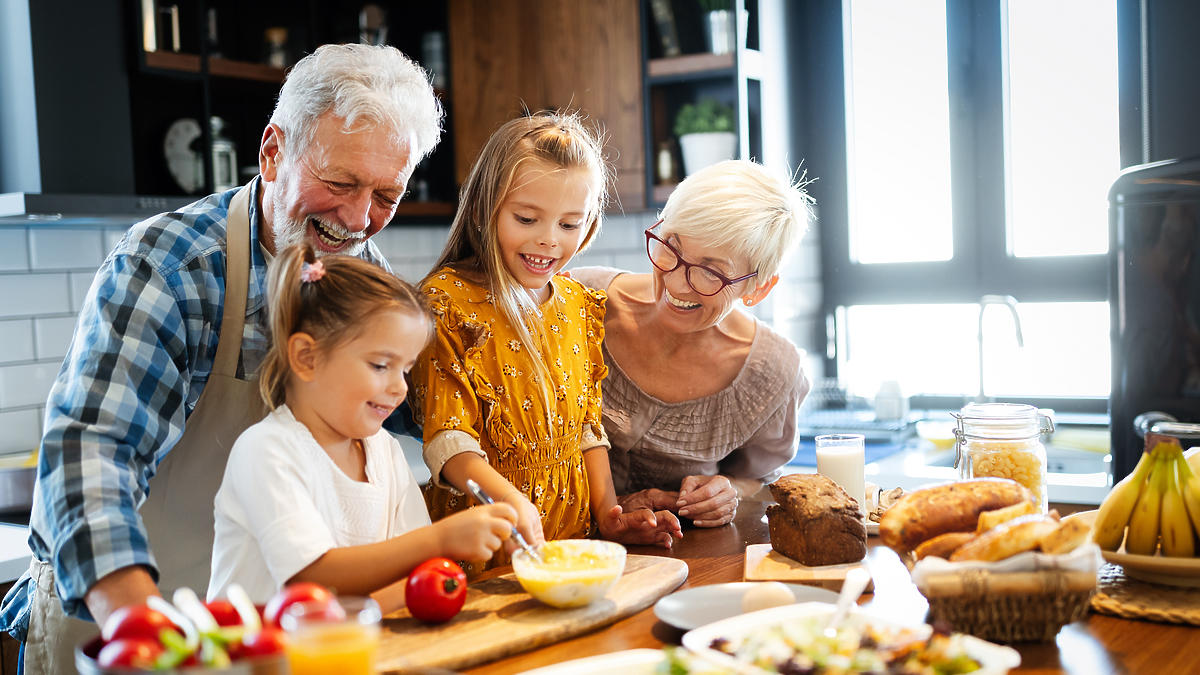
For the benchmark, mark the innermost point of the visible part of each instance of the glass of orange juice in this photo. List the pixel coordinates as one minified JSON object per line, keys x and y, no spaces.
{"x":340,"y":637}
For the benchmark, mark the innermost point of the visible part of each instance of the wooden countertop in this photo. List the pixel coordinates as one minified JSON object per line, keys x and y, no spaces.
{"x":1096,"y":646}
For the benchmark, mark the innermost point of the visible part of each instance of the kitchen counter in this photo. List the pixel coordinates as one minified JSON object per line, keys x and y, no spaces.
{"x":1097,"y":645}
{"x":14,"y":552}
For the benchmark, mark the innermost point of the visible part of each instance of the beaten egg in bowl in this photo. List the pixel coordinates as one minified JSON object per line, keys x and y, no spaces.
{"x":572,"y":573}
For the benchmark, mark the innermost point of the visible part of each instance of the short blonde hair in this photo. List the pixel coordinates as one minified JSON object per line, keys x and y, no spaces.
{"x":757,"y":213}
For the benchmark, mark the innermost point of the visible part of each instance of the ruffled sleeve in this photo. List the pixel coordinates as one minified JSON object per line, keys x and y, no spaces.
{"x":593,"y":308}
{"x":445,"y":396}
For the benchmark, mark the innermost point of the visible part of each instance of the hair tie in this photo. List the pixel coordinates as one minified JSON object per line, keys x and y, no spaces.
{"x":310,"y":272}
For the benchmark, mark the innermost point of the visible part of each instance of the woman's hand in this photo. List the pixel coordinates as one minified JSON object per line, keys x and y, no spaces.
{"x":529,"y":520}
{"x":640,"y":526}
{"x":653,"y":499}
{"x":709,"y":501}
{"x":476,"y":533}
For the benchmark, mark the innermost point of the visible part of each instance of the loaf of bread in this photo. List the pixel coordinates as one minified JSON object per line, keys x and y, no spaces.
{"x":815,"y":522}
{"x":953,"y":507}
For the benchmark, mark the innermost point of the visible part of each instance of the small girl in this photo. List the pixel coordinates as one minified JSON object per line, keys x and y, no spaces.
{"x":318,"y":491}
{"x":508,"y":394}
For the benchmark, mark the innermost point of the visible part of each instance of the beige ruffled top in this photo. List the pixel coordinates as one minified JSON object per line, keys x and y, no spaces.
{"x":747,"y":430}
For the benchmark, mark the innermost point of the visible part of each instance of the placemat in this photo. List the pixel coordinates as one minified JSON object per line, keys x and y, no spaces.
{"x":1128,"y":598}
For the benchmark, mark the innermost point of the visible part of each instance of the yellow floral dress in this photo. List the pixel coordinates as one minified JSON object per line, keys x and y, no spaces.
{"x":477,"y":378}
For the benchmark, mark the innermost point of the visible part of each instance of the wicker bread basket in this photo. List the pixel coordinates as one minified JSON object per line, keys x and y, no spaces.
{"x":1009,"y":606}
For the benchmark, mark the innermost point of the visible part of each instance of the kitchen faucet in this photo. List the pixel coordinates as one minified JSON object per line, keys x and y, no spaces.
{"x":1010,"y":302}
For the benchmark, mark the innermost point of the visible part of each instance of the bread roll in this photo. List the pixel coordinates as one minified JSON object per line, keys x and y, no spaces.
{"x":943,"y":544}
{"x":990,"y":519}
{"x":1007,"y":539}
{"x":1070,"y":534}
{"x":953,"y":507}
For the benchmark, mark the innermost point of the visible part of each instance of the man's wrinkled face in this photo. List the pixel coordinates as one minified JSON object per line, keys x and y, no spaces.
{"x":339,"y":192}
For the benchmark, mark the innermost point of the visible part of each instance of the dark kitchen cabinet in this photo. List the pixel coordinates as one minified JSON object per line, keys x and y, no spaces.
{"x":512,"y":55}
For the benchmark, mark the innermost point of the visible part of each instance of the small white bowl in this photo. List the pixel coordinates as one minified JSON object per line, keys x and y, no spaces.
{"x":576,"y":572}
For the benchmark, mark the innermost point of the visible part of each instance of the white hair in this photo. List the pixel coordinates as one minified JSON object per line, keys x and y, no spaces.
{"x":362,"y":85}
{"x":755,"y":212}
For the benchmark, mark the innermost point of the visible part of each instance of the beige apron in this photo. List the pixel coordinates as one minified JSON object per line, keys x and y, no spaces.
{"x":178,"y":513}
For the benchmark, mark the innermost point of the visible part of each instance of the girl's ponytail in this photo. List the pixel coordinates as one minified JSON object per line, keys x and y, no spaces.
{"x":284,"y":301}
{"x":330,"y":299}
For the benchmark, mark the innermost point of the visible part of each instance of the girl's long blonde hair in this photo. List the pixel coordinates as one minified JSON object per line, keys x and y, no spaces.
{"x":559,"y":139}
{"x":332,"y":308}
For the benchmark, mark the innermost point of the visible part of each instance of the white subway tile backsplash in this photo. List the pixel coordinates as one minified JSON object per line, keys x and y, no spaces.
{"x":14,"y":254}
{"x":633,"y":262}
{"x":112,"y":236}
{"x":25,"y":294}
{"x":53,"y":336}
{"x":19,"y":430}
{"x":27,"y":384}
{"x":55,"y":248}
{"x":79,"y":284}
{"x":16,"y":341}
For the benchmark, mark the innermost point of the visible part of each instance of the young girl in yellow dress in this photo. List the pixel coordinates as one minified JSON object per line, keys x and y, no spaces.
{"x":508,"y":392}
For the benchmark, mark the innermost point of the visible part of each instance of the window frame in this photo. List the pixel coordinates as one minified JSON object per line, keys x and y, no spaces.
{"x":981,"y":262}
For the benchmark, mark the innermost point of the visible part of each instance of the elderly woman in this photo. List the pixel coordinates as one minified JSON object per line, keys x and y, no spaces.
{"x":700,"y":400}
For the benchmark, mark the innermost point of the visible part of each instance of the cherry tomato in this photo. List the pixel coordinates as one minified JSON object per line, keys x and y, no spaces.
{"x":265,"y":642}
{"x":436,"y":590}
{"x":224,"y":612}
{"x":130,"y":653}
{"x":291,"y":594}
{"x":136,"y":621}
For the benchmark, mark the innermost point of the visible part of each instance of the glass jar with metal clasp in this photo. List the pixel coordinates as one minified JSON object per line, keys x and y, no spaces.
{"x":1003,"y":440}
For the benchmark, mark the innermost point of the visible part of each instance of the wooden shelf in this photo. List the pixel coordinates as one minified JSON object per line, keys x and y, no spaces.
{"x":689,"y":64}
{"x":217,"y":67}
{"x":178,"y":61}
{"x":245,"y":70}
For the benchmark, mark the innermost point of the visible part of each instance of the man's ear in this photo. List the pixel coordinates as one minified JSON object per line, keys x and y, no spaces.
{"x":302,"y":356}
{"x":756,"y":296}
{"x":270,"y":152}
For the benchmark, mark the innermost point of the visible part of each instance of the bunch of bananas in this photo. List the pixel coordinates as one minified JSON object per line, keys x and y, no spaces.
{"x":1159,"y":504}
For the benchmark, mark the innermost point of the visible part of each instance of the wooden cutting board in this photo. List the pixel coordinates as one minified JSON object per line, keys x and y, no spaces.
{"x":501,"y":619}
{"x":764,"y":563}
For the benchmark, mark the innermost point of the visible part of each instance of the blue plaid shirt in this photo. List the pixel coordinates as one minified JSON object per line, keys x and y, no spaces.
{"x":142,"y":352}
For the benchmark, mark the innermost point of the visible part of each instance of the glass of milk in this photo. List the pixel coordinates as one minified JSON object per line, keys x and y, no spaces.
{"x":840,"y":457}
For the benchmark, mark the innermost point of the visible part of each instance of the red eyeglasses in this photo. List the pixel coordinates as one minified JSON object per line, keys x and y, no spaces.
{"x":704,"y":280}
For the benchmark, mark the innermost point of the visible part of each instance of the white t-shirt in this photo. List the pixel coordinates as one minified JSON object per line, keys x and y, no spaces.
{"x":283,"y":503}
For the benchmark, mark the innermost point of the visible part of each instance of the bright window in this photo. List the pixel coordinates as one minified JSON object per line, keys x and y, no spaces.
{"x":899,"y":142}
{"x":1063,"y":152}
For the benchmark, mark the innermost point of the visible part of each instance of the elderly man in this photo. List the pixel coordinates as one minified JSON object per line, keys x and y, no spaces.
{"x":155,"y":387}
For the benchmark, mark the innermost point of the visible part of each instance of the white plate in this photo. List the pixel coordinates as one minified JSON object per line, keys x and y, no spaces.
{"x":994,"y":659}
{"x":1153,"y":568}
{"x":695,"y":607}
{"x":628,"y":662}
{"x":1156,"y":568}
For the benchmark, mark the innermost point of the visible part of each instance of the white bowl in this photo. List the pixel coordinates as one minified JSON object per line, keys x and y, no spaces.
{"x":994,"y":659}
{"x":576,"y":572}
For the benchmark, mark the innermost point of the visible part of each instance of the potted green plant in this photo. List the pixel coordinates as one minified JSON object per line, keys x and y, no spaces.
{"x":706,"y":134}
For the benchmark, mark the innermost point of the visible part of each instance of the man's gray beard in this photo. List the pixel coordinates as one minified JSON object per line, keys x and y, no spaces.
{"x":289,"y":233}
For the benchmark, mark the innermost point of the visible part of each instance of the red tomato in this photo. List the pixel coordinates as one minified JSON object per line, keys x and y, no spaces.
{"x":291,"y":594}
{"x":130,"y":653}
{"x":436,"y":590}
{"x":136,"y":621}
{"x":266,"y":642}
{"x":224,"y":612}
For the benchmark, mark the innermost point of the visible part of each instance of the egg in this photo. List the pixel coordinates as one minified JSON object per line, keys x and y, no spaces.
{"x":767,"y":594}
